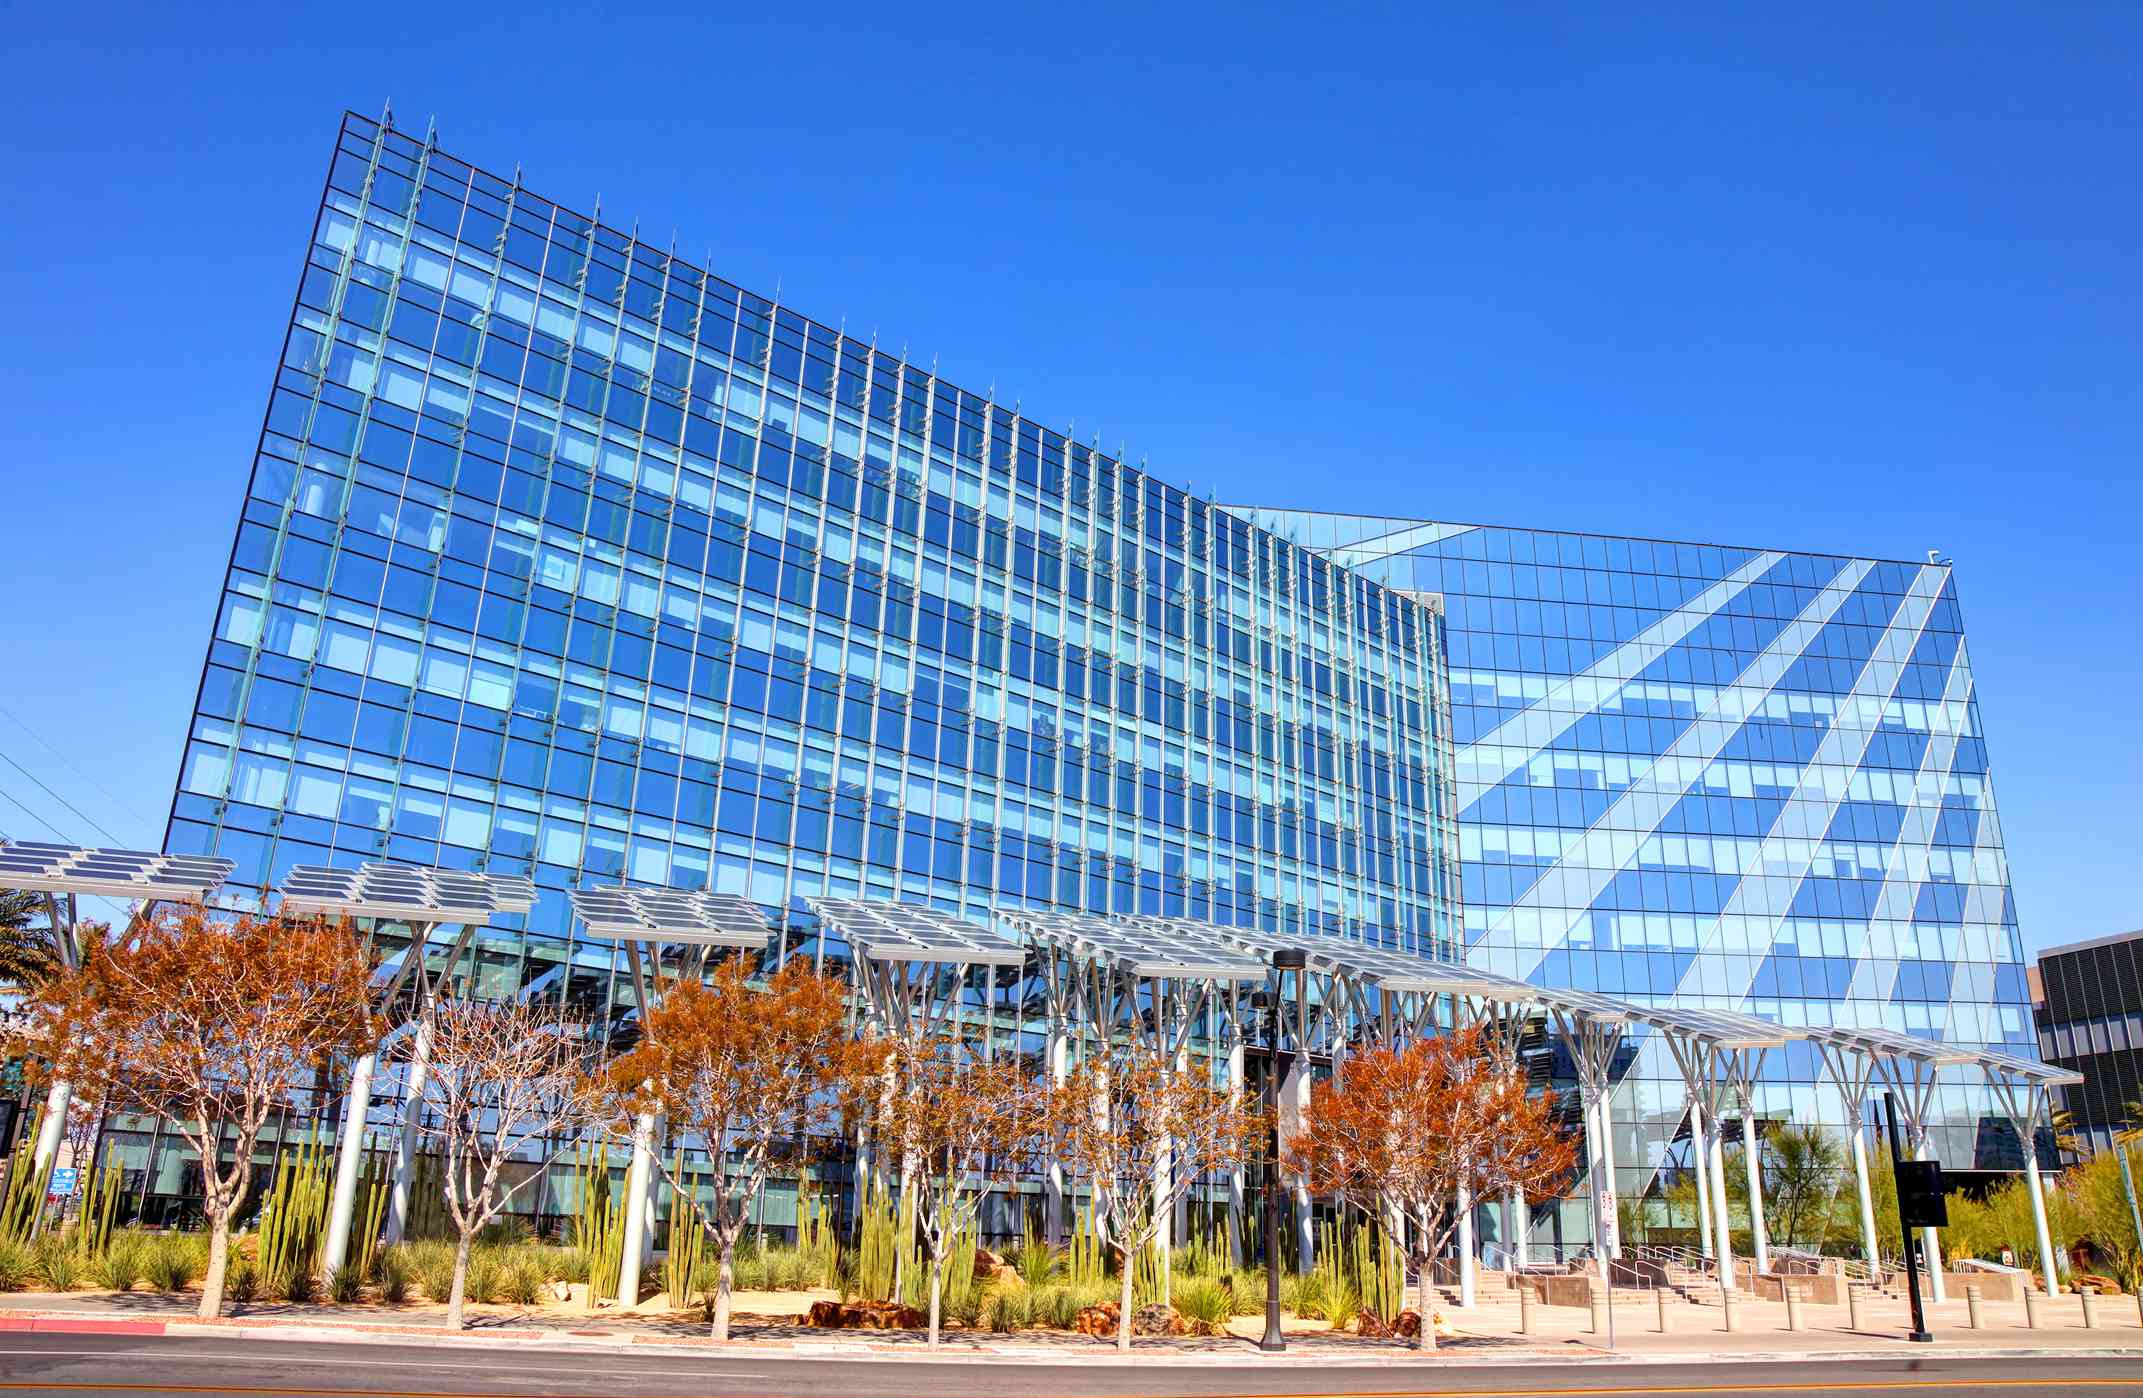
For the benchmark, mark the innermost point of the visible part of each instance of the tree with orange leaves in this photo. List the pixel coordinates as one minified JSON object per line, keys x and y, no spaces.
{"x":210,"y":1025}
{"x":744,"y":1070}
{"x":1142,"y":1136}
{"x":1406,"y":1130}
{"x":958,"y":1124}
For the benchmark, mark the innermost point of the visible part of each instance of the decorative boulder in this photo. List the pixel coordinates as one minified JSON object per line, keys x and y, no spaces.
{"x":863,"y":1315}
{"x":1157,"y":1319}
{"x":1098,"y":1321}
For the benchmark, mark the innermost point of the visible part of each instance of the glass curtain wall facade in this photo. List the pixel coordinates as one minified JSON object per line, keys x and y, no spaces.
{"x":561,"y":556}
{"x":1742,"y":778}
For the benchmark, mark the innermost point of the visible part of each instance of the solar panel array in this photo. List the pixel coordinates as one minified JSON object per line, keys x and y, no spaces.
{"x":1142,"y":947}
{"x":1587,"y":1005}
{"x":704,"y":919}
{"x":1888,"y":1043}
{"x":1721,"y":1027}
{"x":406,"y":892}
{"x":885,"y":931}
{"x":114,"y":873}
{"x":2030,"y":1069}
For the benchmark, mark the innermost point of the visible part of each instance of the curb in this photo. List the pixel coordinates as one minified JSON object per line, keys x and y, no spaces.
{"x":1035,"y":1355}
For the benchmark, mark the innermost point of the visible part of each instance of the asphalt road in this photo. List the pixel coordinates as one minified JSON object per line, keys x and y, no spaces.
{"x":120,"y":1365}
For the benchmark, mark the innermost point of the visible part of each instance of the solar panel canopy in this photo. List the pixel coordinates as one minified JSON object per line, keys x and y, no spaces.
{"x":886,"y":931}
{"x":1888,"y":1043}
{"x":1722,"y":1027}
{"x":672,"y":916}
{"x":39,"y":867}
{"x":405,"y":892}
{"x":2030,"y":1069}
{"x":1141,"y":947}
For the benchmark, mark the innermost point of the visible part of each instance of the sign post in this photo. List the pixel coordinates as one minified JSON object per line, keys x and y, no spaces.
{"x":1919,"y":1205}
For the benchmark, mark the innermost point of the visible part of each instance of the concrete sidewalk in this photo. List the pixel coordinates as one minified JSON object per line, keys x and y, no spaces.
{"x":1487,"y":1334}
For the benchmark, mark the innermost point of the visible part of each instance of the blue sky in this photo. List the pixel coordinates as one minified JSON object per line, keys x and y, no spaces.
{"x":1851,"y":278}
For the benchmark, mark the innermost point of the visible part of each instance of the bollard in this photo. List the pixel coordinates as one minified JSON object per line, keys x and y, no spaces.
{"x":2139,"y":1307}
{"x":1599,"y":1314}
{"x":1793,"y":1305}
{"x":2031,"y":1309}
{"x":1726,"y":1309}
{"x":1971,"y":1308}
{"x":1852,"y":1307}
{"x":2090,"y":1312}
{"x":1660,"y":1296}
{"x":1525,"y":1309}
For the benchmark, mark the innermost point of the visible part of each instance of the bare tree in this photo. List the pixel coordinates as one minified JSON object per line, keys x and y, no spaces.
{"x":503,"y":1078}
{"x":210,"y":1025}
{"x":1142,"y":1136}
{"x":746,"y":1071}
{"x":964,"y":1124}
{"x":1407,"y":1130}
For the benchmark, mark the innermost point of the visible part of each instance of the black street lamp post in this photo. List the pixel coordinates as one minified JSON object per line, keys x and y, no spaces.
{"x":1285,"y":960}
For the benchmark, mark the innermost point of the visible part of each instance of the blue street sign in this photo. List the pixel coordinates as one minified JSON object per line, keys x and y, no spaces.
{"x":63,"y":1181}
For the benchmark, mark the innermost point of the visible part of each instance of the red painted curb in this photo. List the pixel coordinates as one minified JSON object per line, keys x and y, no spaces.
{"x":86,"y":1327}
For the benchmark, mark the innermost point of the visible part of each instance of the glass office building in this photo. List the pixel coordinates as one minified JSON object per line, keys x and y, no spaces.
{"x":1741,"y":778}
{"x":563,"y":557}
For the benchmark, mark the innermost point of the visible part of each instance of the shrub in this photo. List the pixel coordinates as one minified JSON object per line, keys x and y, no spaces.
{"x":393,"y":1266}
{"x":1204,"y":1303}
{"x":570,"y":1265}
{"x":58,"y":1265}
{"x":1246,"y":1291}
{"x":346,"y":1284}
{"x":296,"y":1284}
{"x":1302,"y":1295}
{"x":242,"y":1284}
{"x":965,"y":1308}
{"x":522,"y":1282}
{"x":485,"y":1277}
{"x":15,"y":1266}
{"x":169,"y":1264}
{"x":120,"y":1267}
{"x":1036,"y":1261}
{"x":1010,"y":1310}
{"x":1341,"y":1303}
{"x":432,"y":1265}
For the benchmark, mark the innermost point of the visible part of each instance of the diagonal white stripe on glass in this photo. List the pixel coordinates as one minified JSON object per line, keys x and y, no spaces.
{"x":1906,"y":868}
{"x":1524,"y":735}
{"x":1589,"y":863}
{"x":1764,"y":897}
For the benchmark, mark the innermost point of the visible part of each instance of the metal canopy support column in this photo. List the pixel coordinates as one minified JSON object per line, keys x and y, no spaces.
{"x":1703,"y":1176}
{"x":1912,"y":1079}
{"x":420,"y":1059}
{"x":1745,"y":1067}
{"x":1852,"y":1071}
{"x":350,"y":1150}
{"x":1592,"y":1033}
{"x":2022,"y":1087}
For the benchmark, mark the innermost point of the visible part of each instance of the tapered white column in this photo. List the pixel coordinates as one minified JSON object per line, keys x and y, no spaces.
{"x":1607,"y":1155}
{"x":405,"y":1146}
{"x":1517,"y":1223}
{"x":1703,"y":1177}
{"x":1058,"y":1049}
{"x":1868,"y":1244}
{"x":1931,"y":1239}
{"x":2048,"y":1269}
{"x":1752,"y":1167}
{"x":1295,"y":1088}
{"x":1237,"y":1184}
{"x":1596,"y":1179}
{"x":1465,"y":1248}
{"x":1722,"y":1214}
{"x":635,"y":1216}
{"x":52,"y":1129}
{"x":342,"y":1203}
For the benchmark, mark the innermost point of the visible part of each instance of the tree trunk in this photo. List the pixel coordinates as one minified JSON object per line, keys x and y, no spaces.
{"x":458,"y":1295}
{"x":219,"y":1266}
{"x":1123,"y":1313}
{"x":1427,"y":1338}
{"x":937,"y":1292}
{"x":724,"y":1277}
